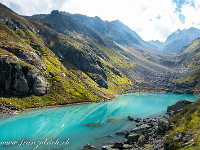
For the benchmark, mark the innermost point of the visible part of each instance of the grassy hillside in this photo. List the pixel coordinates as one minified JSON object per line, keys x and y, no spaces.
{"x":186,"y":129}
{"x":53,"y":60}
{"x":41,"y":48}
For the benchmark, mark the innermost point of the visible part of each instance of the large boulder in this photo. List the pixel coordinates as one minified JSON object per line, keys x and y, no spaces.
{"x":131,"y":138}
{"x":176,"y":107}
{"x":142,"y":129}
{"x":18,"y":78}
{"x":163,"y":125}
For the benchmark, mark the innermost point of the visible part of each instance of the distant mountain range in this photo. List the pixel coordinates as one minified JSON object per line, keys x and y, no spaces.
{"x":177,"y":40}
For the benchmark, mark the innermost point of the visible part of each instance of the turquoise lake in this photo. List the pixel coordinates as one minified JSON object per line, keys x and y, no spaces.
{"x":66,"y":125}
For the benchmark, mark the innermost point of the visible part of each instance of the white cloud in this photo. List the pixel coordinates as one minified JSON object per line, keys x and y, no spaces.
{"x":140,"y":15}
{"x":191,"y":14}
{"x":30,"y":7}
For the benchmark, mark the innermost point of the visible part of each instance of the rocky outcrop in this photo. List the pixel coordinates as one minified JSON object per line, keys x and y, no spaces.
{"x":27,"y":56}
{"x":12,"y":24}
{"x":8,"y":109}
{"x":176,"y":107}
{"x":87,"y":62}
{"x":17,"y":78}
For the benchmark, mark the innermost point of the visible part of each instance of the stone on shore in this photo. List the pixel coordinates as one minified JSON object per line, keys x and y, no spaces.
{"x":129,"y":118}
{"x":141,"y":129}
{"x":163,"y":125}
{"x":131,"y":138}
{"x":89,"y":147}
{"x":176,"y":107}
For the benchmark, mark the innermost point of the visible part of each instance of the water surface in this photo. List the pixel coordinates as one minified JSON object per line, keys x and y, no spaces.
{"x":66,"y":125}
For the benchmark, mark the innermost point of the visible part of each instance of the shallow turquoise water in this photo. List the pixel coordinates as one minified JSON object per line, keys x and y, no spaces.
{"x":66,"y":124}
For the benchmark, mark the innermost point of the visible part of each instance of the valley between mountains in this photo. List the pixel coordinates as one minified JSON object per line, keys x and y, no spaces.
{"x":62,"y":58}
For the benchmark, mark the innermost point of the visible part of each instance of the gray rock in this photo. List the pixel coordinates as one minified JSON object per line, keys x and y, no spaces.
{"x":163,"y":125}
{"x":138,"y":120}
{"x":27,"y":56}
{"x":89,"y":146}
{"x":40,"y":86}
{"x":131,"y":138}
{"x":141,"y":140}
{"x":178,"y":105}
{"x":118,"y":145}
{"x":107,"y":147}
{"x":17,"y":78}
{"x":129,"y":118}
{"x":141,"y":129}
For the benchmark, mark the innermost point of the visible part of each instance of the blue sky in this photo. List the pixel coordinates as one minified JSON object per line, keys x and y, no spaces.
{"x":151,"y":19}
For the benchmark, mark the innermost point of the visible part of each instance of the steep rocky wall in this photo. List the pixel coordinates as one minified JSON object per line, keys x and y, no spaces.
{"x":17,"y":78}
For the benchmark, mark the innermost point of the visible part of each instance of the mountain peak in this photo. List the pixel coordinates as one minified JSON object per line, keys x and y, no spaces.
{"x":55,"y":13}
{"x":118,"y":21}
{"x":5,"y":7}
{"x":178,"y":39}
{"x":177,"y":31}
{"x":97,"y":18}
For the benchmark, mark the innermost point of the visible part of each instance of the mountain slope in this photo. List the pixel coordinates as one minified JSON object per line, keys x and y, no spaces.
{"x":64,"y":69}
{"x":185,"y":132}
{"x":188,"y":59}
{"x":54,"y":59}
{"x":145,"y":64}
{"x":114,"y":30}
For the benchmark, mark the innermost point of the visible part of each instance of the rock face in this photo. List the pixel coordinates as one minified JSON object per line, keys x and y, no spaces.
{"x":86,"y":62}
{"x":17,"y":78}
{"x":178,"y":106}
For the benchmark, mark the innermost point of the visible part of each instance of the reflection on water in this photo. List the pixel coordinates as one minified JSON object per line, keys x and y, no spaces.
{"x":63,"y":123}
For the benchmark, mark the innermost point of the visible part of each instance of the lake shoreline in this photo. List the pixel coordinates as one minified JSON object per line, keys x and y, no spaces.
{"x":112,"y":125}
{"x":6,"y":109}
{"x":150,"y":133}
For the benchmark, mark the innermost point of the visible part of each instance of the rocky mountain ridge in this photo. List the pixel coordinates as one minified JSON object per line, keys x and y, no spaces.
{"x":177,"y":40}
{"x":76,"y":58}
